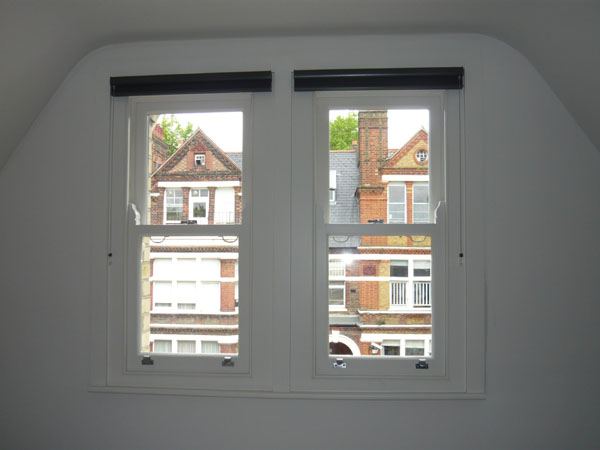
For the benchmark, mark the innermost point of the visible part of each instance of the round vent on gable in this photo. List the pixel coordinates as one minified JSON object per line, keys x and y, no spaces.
{"x":421,"y":155}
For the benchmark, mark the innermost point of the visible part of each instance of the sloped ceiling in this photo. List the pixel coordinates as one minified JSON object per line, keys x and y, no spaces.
{"x":40,"y":40}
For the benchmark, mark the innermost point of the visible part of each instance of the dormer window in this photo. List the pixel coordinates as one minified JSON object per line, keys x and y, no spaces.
{"x":199,"y":159}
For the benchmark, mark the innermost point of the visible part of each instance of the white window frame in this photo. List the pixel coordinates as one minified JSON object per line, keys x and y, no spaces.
{"x":130,"y":150}
{"x":417,"y":184}
{"x":199,"y":199}
{"x":166,"y":205}
{"x":287,"y":369}
{"x":201,"y":157}
{"x":366,"y":374}
{"x":396,"y":184}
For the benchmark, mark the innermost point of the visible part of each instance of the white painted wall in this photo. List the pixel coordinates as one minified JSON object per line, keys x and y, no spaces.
{"x":541,"y":219}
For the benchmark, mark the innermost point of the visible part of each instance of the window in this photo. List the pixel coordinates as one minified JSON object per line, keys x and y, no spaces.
{"x":396,"y":203}
{"x":295,"y":271}
{"x":410,"y":288}
{"x":394,"y":247}
{"x":421,"y":156}
{"x":337,"y":294}
{"x":199,"y":203}
{"x":420,"y":203}
{"x":173,"y":205}
{"x":186,"y":236}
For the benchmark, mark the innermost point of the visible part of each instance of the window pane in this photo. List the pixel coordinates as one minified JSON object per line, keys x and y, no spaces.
{"x":195,"y":168}
{"x":414,"y":347}
{"x":399,"y":268}
{"x":420,"y":203}
{"x":199,"y":211}
{"x":161,"y":267}
{"x":422,"y":268}
{"x":336,"y":293}
{"x":162,"y":346}
{"x":210,"y":347}
{"x":195,"y":294}
{"x":377,"y":301}
{"x":375,"y":156}
{"x":186,"y":346}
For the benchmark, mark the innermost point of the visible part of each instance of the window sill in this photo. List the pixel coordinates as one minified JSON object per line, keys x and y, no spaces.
{"x":386,"y":396}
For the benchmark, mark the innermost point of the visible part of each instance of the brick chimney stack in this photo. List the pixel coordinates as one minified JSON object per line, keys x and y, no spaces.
{"x":372,"y":145}
{"x":372,"y":154}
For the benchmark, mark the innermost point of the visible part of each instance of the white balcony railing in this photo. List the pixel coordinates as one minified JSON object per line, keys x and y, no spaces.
{"x":337,"y":268}
{"x":422,"y":290}
{"x":398,"y":293}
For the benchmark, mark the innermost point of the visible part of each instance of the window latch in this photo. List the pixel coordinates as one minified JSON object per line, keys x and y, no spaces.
{"x":147,"y":361}
{"x":422,"y":364}
{"x":339,"y":363}
{"x":227,"y":361}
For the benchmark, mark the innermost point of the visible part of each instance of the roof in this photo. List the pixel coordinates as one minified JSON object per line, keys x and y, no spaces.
{"x":236,"y":158}
{"x":345,"y":209}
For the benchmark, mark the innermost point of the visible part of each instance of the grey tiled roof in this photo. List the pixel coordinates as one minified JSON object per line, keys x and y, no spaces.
{"x":236,"y":158}
{"x":345,"y":209}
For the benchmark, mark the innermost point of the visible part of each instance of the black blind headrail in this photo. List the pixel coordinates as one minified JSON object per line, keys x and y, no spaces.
{"x":193,"y":83}
{"x":379,"y":79}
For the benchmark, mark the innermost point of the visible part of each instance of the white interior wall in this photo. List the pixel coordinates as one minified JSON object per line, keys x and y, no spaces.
{"x":541,"y":218}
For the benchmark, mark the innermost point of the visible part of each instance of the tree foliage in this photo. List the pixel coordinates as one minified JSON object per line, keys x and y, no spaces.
{"x":342,"y":131}
{"x":175,"y":133}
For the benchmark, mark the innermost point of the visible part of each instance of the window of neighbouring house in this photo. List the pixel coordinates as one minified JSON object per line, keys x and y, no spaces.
{"x":173,"y":205}
{"x":396,"y":203}
{"x":420,"y":203}
{"x":199,"y":204}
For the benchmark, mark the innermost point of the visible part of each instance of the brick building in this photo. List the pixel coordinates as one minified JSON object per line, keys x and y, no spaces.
{"x":379,"y":286}
{"x":193,"y":282}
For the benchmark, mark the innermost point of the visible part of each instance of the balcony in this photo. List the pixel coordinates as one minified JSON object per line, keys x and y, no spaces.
{"x":404,"y":294}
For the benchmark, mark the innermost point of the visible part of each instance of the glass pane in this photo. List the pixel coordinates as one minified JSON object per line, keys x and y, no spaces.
{"x":336,"y":293}
{"x":186,"y":346}
{"x":195,"y":168}
{"x":422,"y":268}
{"x":162,"y":346}
{"x":378,"y":294}
{"x":210,"y":347}
{"x":420,"y":203}
{"x":399,"y":268}
{"x":199,"y":210}
{"x":189,"y":288}
{"x":414,"y":347}
{"x":375,"y":158}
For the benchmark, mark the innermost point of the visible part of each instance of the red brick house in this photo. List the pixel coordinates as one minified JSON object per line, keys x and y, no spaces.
{"x":381,"y":304}
{"x":194,"y":281}
{"x":379,"y":286}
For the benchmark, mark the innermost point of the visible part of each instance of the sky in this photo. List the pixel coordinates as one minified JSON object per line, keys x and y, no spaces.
{"x":225,"y":128}
{"x":402,"y":123}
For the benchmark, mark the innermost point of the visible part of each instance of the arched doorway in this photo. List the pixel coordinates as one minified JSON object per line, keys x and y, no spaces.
{"x":342,"y":345}
{"x":338,"y":348}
